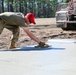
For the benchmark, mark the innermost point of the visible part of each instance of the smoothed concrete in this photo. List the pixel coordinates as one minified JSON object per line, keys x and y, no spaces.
{"x":58,"y":60}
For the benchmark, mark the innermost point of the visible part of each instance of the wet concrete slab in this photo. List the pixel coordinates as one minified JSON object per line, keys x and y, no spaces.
{"x":60,"y":59}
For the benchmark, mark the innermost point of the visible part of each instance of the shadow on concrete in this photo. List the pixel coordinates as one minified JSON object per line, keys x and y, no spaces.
{"x":33,"y":49}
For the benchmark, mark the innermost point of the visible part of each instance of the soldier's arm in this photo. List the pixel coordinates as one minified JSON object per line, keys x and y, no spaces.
{"x":31,"y":35}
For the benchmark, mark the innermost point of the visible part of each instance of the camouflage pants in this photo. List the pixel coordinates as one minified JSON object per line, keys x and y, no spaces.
{"x":15,"y":30}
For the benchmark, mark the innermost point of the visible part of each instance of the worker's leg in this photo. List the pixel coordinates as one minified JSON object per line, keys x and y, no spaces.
{"x":1,"y":26}
{"x":15,"y":31}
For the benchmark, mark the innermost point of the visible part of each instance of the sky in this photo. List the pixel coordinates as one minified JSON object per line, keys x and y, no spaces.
{"x":59,"y":0}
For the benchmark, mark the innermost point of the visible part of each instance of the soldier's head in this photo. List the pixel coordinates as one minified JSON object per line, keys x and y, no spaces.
{"x":30,"y":18}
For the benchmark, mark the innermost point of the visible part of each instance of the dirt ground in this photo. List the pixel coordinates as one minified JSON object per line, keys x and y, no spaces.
{"x":44,"y":30}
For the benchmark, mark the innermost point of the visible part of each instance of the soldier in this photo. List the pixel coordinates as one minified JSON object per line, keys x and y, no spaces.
{"x":13,"y":20}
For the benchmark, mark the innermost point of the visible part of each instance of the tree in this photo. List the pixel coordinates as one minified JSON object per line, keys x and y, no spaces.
{"x":67,"y":1}
{"x":2,"y":5}
{"x":41,"y":8}
{"x":11,"y":5}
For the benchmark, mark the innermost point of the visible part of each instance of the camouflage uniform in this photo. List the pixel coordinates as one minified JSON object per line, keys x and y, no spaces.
{"x":12,"y":21}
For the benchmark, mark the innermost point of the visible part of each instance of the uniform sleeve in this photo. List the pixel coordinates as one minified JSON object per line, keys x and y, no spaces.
{"x":20,"y":20}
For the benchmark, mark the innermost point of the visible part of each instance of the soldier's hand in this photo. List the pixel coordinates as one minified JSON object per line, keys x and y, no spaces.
{"x":42,"y":45}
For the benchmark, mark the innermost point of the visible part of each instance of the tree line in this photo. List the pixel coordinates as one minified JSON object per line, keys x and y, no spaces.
{"x":41,"y":8}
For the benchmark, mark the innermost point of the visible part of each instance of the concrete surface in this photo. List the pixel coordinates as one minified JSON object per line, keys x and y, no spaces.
{"x":58,"y":60}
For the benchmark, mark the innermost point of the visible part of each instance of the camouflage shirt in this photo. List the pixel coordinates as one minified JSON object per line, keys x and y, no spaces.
{"x":12,"y":18}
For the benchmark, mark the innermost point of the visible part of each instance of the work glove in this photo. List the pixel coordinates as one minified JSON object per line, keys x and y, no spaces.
{"x":42,"y":45}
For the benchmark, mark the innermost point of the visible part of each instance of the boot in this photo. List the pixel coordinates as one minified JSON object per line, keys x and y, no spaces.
{"x":12,"y":45}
